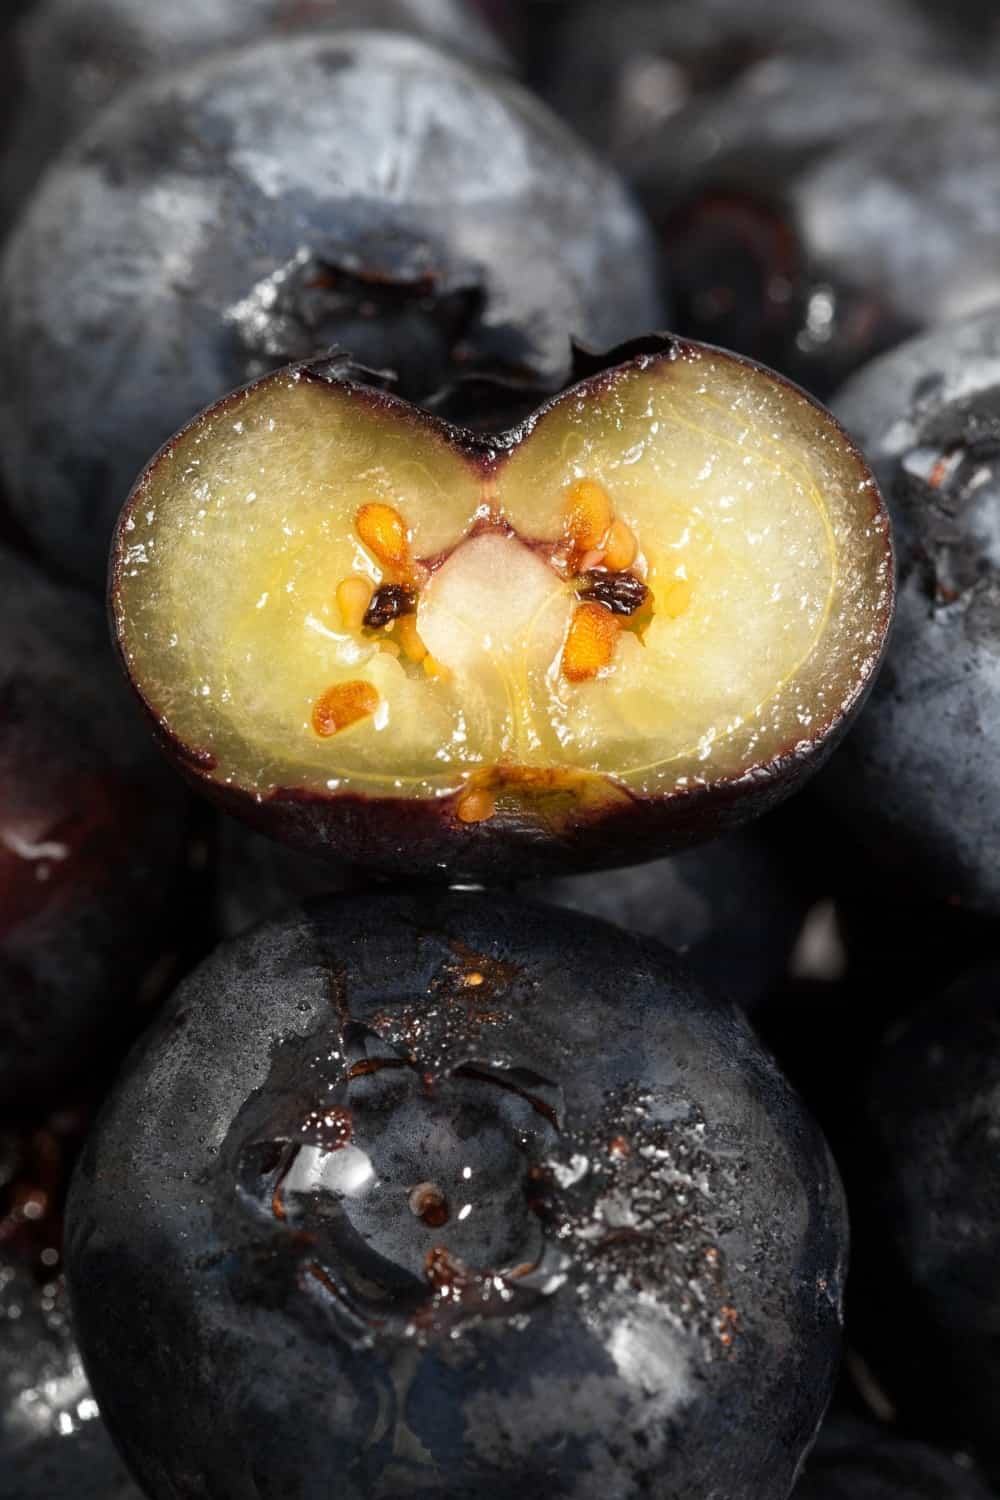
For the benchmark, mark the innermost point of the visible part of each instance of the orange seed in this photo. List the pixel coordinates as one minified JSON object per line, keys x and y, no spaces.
{"x":353,"y":598}
{"x":590,"y":644}
{"x":620,"y":548}
{"x":588,"y":514}
{"x":343,"y":705}
{"x":383,"y":532}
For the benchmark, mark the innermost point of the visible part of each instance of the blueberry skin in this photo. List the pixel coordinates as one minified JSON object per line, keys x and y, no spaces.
{"x":732,"y":908}
{"x":71,"y":59}
{"x":918,"y":781}
{"x":855,"y":1460}
{"x":644,"y":1299}
{"x":361,"y":190}
{"x":815,"y":212}
{"x":617,"y":73}
{"x":928,"y":1303}
{"x":92,"y":840}
{"x":53,"y":1444}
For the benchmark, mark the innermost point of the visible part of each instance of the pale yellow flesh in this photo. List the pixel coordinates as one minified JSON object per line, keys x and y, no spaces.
{"x":728,"y":481}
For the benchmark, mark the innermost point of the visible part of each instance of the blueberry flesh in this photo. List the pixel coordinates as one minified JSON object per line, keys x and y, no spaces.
{"x":92,"y":837}
{"x":855,"y":1460}
{"x":919,"y":783}
{"x":360,"y":190}
{"x":927,"y":1298}
{"x":455,"y":1196}
{"x":71,"y":59}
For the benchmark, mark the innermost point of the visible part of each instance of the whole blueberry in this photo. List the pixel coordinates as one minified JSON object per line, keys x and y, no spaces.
{"x":359,"y":190}
{"x":92,"y":841}
{"x":918,"y":782}
{"x":455,"y":1196}
{"x":69,"y":59}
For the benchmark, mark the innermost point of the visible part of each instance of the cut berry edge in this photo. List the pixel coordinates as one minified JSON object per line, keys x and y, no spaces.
{"x":675,"y":575}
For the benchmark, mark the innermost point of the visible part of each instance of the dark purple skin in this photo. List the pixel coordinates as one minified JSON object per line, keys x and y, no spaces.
{"x":70,"y":59}
{"x":927,"y":1200}
{"x":732,"y":908}
{"x":617,"y":73}
{"x":814,"y":213}
{"x":675,"y":1221}
{"x":92,"y":841}
{"x":360,"y":190}
{"x":855,"y":1460}
{"x":541,"y":826}
{"x":919,"y":784}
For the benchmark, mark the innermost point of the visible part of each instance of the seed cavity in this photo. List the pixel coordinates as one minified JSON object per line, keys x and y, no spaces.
{"x":590,"y":644}
{"x":343,"y":705}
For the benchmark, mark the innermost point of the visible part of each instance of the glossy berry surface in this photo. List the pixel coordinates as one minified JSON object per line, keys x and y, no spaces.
{"x":69,"y":60}
{"x":919,"y":783}
{"x":639,"y":618}
{"x":361,"y":190}
{"x":92,"y":840}
{"x":453,"y":1196}
{"x":929,"y":1217}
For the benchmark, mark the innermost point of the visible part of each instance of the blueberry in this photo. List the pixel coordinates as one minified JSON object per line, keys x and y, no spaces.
{"x":622,"y":71}
{"x":926,"y":1304}
{"x":918,"y":783}
{"x":71,"y":59}
{"x":817,"y":211}
{"x":856,"y":1460}
{"x":360,"y":190}
{"x":455,"y":1196}
{"x":92,"y":840}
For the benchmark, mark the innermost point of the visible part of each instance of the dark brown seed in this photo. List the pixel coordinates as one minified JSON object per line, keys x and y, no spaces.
{"x":622,"y":593}
{"x":388,"y":603}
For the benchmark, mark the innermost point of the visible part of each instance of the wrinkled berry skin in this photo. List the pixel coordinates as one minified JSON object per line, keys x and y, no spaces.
{"x":650,"y":1246}
{"x":919,"y":782}
{"x":92,"y":837}
{"x":928,"y":1303}
{"x":855,"y":1460}
{"x":360,"y":190}
{"x":71,"y":59}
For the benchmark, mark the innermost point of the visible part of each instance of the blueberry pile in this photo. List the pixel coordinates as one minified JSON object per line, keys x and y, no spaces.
{"x":499,"y":807}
